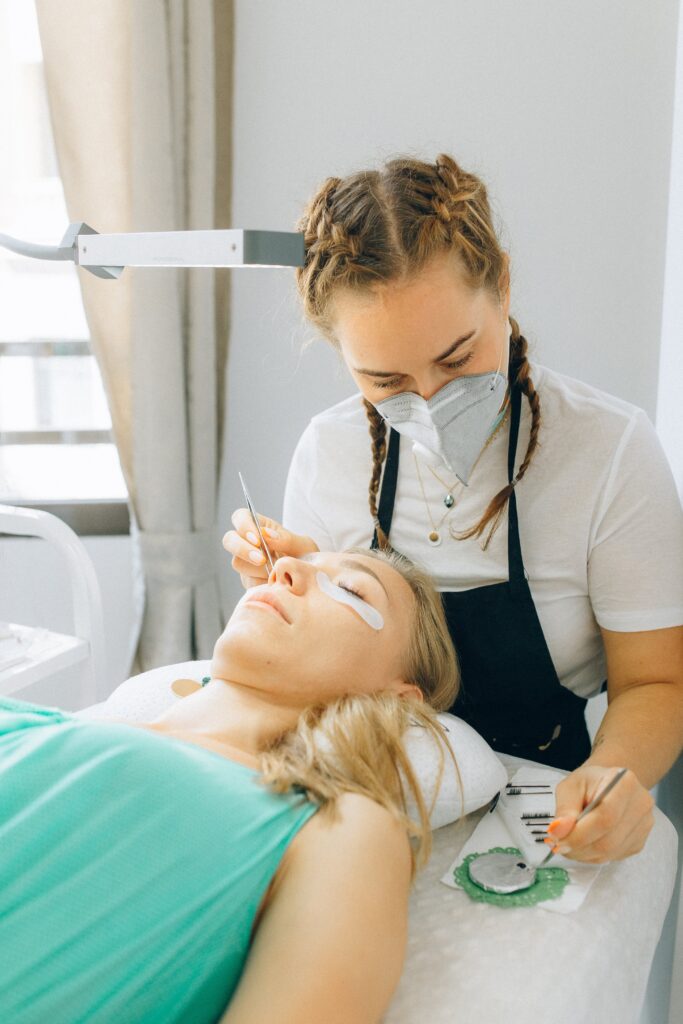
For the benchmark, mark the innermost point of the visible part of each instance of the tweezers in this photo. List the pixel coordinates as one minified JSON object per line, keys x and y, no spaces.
{"x":266,"y":552}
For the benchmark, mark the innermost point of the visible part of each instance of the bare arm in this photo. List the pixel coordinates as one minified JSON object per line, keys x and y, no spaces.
{"x":643,"y":725}
{"x":331,"y":944}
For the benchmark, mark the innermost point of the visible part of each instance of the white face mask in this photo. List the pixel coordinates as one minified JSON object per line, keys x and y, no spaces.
{"x":455,"y":423}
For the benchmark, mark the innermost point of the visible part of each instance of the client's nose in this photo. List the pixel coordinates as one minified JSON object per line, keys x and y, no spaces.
{"x":293,"y":573}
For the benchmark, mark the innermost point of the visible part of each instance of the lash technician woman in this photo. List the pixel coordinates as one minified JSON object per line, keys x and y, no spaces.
{"x":544,"y":508}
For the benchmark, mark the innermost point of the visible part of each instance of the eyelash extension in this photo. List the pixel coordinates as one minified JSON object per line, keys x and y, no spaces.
{"x":350,"y":590}
{"x":454,"y":365}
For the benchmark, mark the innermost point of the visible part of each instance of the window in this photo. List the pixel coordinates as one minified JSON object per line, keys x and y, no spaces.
{"x":55,"y":429}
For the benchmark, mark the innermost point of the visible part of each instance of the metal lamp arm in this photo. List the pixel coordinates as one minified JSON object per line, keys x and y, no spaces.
{"x":106,"y":255}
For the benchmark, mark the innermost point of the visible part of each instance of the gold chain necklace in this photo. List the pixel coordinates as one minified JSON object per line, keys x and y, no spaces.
{"x":434,"y":537}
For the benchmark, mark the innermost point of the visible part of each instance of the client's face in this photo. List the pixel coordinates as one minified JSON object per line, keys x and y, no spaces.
{"x":322,"y":626}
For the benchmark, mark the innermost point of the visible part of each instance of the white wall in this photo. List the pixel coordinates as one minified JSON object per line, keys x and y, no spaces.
{"x":566,"y":112}
{"x":669,"y":404}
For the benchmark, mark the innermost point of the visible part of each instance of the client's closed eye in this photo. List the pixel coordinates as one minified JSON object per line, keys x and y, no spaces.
{"x":350,"y":590}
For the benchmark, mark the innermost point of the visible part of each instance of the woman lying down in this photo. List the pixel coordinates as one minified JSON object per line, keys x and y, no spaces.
{"x":247,"y":856}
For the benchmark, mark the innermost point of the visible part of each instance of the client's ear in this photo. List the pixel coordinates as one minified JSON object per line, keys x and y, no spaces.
{"x":412,"y":691}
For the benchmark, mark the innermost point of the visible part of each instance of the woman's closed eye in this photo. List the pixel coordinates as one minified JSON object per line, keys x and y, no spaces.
{"x":457,"y":363}
{"x":350,"y":590}
{"x":454,"y":364}
{"x":381,"y":385}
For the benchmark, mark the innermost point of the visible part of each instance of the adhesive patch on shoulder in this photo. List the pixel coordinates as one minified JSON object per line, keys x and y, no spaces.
{"x":184,"y":687}
{"x":365,"y":610}
{"x":549,"y":885}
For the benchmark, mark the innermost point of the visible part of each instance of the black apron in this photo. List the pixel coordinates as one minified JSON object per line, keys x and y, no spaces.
{"x":510,"y":692}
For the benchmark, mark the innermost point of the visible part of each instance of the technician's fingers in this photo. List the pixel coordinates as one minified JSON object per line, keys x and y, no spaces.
{"x":244,"y":524}
{"x":253,"y":570}
{"x":244,"y":545}
{"x":626,"y":838}
{"x":246,"y":553}
{"x":615,"y":829}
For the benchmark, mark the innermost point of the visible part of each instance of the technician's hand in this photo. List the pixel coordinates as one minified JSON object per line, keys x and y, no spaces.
{"x":244,"y":545}
{"x":615,"y":829}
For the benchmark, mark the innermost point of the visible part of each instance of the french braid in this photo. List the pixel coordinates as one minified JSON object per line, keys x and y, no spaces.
{"x":378,"y":434}
{"x":375,"y":227}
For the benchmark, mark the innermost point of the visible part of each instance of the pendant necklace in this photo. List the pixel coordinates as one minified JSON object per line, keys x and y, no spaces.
{"x":434,"y":537}
{"x":449,"y":500}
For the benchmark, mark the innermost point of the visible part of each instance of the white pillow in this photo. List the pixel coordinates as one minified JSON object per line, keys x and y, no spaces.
{"x":481,"y":773}
{"x":146,"y":696}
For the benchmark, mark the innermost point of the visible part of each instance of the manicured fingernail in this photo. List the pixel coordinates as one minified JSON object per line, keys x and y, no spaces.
{"x":252,"y":538}
{"x":271,"y":533}
{"x":548,"y":839}
{"x":256,"y":556}
{"x":553,"y":825}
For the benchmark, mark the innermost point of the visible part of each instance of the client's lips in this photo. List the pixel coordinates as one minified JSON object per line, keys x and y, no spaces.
{"x":267,"y":597}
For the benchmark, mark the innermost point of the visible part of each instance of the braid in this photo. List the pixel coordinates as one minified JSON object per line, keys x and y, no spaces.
{"x":453,"y":188}
{"x":378,"y":433}
{"x":519,"y":377}
{"x":460,"y":216}
{"x":524,"y":382}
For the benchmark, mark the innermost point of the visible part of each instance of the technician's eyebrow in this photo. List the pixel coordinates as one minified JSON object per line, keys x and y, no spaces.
{"x":439,"y":359}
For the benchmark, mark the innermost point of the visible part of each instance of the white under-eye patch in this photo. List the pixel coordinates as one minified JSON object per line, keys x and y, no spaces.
{"x":365,"y":610}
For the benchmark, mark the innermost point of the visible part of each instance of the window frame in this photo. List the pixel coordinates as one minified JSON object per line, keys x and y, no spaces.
{"x":86,"y":516}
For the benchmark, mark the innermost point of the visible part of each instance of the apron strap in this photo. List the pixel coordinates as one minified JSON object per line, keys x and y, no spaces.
{"x":515,"y":563}
{"x":385,"y":512}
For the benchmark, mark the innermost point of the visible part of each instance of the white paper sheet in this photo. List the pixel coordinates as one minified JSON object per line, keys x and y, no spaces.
{"x":504,"y":826}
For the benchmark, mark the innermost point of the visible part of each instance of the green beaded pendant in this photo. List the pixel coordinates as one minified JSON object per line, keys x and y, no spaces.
{"x":549,"y":885}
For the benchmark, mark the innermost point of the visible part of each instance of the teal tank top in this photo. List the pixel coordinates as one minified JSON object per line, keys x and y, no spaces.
{"x":132,"y":866}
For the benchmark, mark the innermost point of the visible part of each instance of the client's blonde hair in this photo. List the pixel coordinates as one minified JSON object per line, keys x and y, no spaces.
{"x":355,"y":743}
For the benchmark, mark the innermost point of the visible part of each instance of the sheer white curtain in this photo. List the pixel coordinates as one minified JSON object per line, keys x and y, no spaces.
{"x":140,"y":103}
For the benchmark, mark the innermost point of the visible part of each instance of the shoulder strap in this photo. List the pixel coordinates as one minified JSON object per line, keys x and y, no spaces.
{"x":387,"y":497}
{"x":515,"y":563}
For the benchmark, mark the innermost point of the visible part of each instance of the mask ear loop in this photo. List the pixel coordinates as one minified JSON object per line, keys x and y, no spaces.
{"x":500,"y":365}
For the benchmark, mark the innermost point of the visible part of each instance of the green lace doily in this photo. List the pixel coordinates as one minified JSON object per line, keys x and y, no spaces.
{"x":549,"y":885}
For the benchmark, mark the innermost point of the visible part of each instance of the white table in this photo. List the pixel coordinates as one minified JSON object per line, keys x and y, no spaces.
{"x":473,"y":963}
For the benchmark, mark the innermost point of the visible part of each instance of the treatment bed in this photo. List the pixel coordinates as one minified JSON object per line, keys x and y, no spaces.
{"x":469,"y":961}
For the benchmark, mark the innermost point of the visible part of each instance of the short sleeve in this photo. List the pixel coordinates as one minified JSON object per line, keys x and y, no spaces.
{"x":635,"y":560}
{"x":299,"y":514}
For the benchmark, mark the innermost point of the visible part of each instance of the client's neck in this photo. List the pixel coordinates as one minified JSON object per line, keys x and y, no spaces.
{"x":237,"y":716}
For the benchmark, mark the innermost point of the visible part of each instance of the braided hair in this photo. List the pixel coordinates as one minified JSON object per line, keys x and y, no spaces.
{"x":379,"y":226}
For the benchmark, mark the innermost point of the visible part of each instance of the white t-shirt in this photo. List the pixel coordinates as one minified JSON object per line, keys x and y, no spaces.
{"x":600,"y":521}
